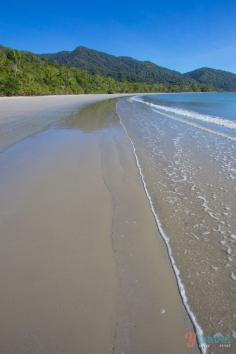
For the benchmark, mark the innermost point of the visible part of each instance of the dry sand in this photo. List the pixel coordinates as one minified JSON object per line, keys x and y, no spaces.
{"x":82,"y":266}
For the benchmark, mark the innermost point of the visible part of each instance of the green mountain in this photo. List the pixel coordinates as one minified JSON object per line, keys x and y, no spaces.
{"x":89,"y":71}
{"x":119,"y":68}
{"x":132,"y":70}
{"x":217,"y":79}
{"x":23,"y":73}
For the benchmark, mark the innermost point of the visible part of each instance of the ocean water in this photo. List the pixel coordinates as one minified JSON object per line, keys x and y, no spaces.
{"x":185,"y":146}
{"x":213,"y":111}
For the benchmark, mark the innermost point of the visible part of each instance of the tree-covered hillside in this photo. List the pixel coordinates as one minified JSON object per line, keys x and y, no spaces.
{"x":23,"y":73}
{"x":218,"y":79}
{"x":88,"y":71}
{"x":119,"y":68}
{"x":26,"y":74}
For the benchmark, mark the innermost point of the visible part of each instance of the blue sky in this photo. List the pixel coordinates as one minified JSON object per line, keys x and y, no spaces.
{"x":181,"y":35}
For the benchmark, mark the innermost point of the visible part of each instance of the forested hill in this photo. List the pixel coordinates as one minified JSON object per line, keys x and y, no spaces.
{"x":119,"y":68}
{"x":88,"y":71}
{"x":132,"y":70}
{"x":23,"y":73}
{"x":219,"y":79}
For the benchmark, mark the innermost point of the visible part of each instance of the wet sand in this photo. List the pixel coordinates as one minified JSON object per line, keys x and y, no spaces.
{"x":190,"y":176}
{"x":82,"y":266}
{"x":24,"y":116}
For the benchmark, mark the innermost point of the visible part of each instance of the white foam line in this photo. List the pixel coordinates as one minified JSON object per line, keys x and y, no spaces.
{"x":208,"y":130}
{"x":190,"y":114}
{"x":181,"y":287}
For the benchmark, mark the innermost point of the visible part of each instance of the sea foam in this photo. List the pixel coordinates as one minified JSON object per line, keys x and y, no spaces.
{"x":190,"y":114}
{"x":184,"y":121}
{"x":166,"y":239}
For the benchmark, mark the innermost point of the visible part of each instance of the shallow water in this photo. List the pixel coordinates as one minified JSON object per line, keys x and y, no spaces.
{"x":214,"y":112}
{"x":188,"y":160}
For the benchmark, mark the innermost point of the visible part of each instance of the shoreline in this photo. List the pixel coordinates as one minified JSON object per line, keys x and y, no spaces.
{"x":73,"y":95}
{"x":179,"y":282}
{"x":104,"y":271}
{"x":190,"y":176}
{"x":124,"y":94}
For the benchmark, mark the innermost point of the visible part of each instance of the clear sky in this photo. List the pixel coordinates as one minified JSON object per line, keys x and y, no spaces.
{"x":182,"y":35}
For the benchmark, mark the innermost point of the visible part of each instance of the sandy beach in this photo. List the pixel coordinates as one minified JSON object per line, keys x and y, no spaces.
{"x":21,"y":117}
{"x":83,"y":268}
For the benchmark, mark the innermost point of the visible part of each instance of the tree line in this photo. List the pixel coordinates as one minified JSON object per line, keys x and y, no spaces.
{"x":23,"y":73}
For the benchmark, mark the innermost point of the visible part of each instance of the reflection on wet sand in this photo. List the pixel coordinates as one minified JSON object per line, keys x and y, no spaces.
{"x":82,"y":266}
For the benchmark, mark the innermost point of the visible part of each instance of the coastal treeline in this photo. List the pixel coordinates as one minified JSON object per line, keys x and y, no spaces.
{"x":23,"y":73}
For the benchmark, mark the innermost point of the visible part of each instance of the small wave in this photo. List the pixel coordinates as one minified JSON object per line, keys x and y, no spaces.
{"x":208,"y":130}
{"x":184,"y":121}
{"x":190,"y":114}
{"x":166,"y":239}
